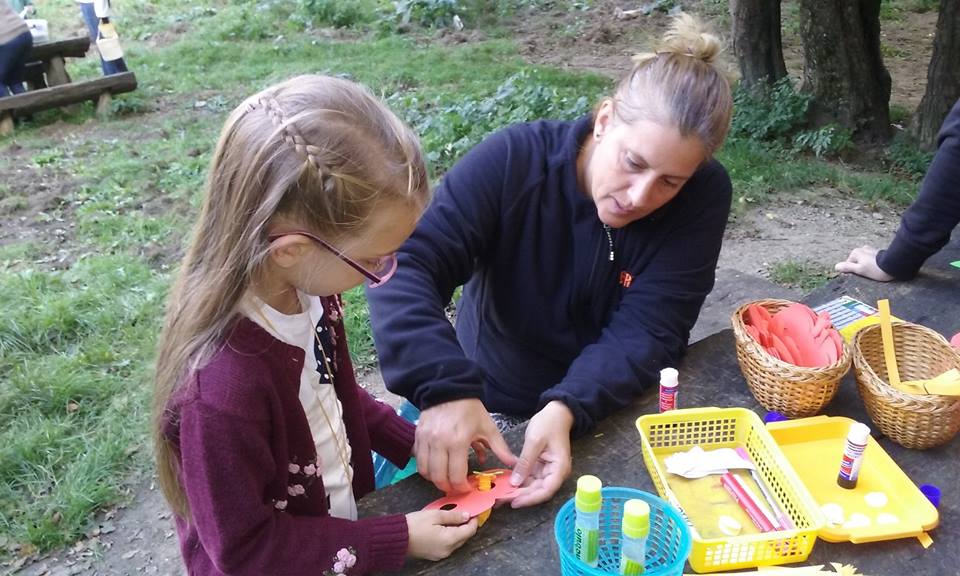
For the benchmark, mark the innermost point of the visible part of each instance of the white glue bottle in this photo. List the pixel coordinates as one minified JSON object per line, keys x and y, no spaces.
{"x":853,"y":455}
{"x":669,"y":382}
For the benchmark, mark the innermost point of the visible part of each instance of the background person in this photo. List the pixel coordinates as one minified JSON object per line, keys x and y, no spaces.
{"x":926,"y":225}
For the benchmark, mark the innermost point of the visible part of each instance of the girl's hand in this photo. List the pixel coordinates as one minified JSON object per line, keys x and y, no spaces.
{"x":863,"y":262}
{"x":435,"y":534}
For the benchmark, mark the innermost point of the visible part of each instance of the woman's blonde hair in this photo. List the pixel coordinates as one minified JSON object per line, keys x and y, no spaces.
{"x":319,"y":152}
{"x":682,"y":84}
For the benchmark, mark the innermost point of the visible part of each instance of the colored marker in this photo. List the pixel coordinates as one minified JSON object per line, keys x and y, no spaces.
{"x":779,"y":520}
{"x":736,"y":490}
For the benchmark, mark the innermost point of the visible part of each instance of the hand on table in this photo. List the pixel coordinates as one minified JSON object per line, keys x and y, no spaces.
{"x":435,"y":534}
{"x":544,"y":462}
{"x":444,"y":436}
{"x":863,"y":262}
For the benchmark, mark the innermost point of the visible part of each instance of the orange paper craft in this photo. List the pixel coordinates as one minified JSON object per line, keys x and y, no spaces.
{"x":476,"y":502}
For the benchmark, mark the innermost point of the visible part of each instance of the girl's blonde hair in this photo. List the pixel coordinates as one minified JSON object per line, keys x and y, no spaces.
{"x":682,"y":84}
{"x":316,"y":151}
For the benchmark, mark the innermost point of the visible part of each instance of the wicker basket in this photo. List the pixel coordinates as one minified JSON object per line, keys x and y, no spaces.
{"x":794,"y":391}
{"x":911,"y":420}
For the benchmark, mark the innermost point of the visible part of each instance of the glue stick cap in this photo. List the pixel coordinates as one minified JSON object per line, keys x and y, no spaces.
{"x":774,"y":416}
{"x":858,"y":433}
{"x":588,"y":493}
{"x":636,"y":519}
{"x":669,"y":377}
{"x":932,"y":493}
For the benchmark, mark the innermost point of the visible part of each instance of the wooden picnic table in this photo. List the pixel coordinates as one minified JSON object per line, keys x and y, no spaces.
{"x":49,"y":84}
{"x":46,"y":64}
{"x":522,"y":541}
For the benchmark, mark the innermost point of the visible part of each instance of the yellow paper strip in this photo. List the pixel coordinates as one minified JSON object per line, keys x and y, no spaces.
{"x":886,"y":332}
{"x":925,"y":539}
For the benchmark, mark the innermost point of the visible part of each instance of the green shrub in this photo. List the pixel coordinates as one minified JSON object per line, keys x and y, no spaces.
{"x":448,"y":130}
{"x":827,"y":140}
{"x":426,"y":13}
{"x":335,"y":13}
{"x":768,"y":113}
{"x":905,"y":156}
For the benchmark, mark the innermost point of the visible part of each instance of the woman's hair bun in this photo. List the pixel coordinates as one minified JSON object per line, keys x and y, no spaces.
{"x":688,"y":36}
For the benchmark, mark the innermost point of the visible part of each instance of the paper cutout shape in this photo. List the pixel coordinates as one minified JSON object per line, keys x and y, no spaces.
{"x":955,"y":264}
{"x":796,"y":335}
{"x":480,"y":499}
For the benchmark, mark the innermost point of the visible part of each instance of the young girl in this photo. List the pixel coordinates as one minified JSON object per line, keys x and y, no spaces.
{"x":262,"y":435}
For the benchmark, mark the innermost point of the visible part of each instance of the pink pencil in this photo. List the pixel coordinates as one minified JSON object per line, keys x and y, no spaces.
{"x":732,"y":484}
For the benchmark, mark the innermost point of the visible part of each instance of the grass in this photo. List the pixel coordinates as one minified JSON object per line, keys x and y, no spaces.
{"x":805,"y":276}
{"x":76,"y":344}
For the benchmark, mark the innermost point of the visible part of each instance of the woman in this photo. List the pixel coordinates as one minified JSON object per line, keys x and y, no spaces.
{"x":587,"y":249}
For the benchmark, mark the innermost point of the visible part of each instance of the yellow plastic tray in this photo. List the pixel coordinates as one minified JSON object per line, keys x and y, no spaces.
{"x":814,"y":446}
{"x":710,"y":428}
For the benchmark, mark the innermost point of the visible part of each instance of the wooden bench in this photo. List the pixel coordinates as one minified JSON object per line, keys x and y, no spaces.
{"x":45,"y":64}
{"x":99,"y":90}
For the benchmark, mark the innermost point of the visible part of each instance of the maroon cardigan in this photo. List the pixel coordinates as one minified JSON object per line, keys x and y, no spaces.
{"x":249,"y":465}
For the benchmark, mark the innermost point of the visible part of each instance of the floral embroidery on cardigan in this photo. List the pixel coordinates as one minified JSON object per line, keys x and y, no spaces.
{"x":346,"y":558}
{"x":299,"y":479}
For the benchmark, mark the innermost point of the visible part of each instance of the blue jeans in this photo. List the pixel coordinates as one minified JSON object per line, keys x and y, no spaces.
{"x":13,"y":58}
{"x":93,"y":24}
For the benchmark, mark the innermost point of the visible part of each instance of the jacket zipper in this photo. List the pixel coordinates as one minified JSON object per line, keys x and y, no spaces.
{"x":606,"y":229}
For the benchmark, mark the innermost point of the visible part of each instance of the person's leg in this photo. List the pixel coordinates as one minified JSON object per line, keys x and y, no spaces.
{"x":20,"y":50}
{"x":114,"y":66}
{"x":89,"y":16}
{"x":7,"y":57}
{"x":93,"y":25}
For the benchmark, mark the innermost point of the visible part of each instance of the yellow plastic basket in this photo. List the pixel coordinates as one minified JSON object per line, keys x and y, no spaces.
{"x":711,"y":428}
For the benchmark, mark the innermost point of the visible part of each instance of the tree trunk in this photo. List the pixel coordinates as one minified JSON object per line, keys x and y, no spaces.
{"x":843,"y":68}
{"x":943,"y":77}
{"x":756,"y":40}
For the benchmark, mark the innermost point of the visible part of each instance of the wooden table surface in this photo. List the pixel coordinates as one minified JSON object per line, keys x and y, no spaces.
{"x":522,"y":541}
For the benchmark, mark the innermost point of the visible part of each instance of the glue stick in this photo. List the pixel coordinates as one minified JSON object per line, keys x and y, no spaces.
{"x":636,"y":527}
{"x":853,"y":455}
{"x":586,"y":536}
{"x":669,"y":381}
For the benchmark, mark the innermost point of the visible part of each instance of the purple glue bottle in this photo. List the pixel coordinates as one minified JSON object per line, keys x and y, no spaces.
{"x":853,"y":455}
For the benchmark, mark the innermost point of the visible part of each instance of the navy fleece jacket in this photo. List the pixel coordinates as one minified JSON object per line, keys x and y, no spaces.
{"x":544,"y":314}
{"x":926,"y":225}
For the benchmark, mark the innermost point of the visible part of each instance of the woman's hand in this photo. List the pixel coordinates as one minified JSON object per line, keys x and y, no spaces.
{"x":435,"y":534}
{"x":863,"y":262}
{"x":544,"y":462}
{"x":445,"y":434}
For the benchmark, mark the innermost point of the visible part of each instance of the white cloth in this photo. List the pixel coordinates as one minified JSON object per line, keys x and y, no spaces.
{"x":318,"y":397}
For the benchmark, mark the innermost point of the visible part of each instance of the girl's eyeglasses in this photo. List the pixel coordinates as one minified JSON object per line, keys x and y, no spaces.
{"x":383,"y":267}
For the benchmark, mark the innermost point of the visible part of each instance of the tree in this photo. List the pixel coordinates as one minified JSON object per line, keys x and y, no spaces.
{"x":756,"y":40}
{"x":943,"y":76}
{"x":844,"y":69}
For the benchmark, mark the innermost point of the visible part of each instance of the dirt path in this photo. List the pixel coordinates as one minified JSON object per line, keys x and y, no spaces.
{"x":818,"y":226}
